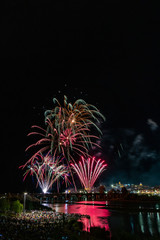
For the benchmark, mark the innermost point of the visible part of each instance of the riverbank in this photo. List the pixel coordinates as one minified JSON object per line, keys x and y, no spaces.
{"x":34,"y":225}
{"x":45,"y":225}
{"x":48,"y":225}
{"x":61,"y":220}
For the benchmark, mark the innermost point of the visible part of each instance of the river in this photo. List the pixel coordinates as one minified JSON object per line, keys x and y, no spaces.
{"x":133,"y":218}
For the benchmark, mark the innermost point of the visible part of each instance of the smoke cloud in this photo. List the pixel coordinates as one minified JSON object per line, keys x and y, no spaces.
{"x":133,"y":156}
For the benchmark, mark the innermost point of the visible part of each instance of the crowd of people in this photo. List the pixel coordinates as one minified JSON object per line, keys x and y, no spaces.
{"x":35,"y":225}
{"x":45,"y":216}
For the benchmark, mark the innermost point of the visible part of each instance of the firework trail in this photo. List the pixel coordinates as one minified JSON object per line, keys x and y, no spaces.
{"x":88,"y":171}
{"x":68,"y":133}
{"x":67,"y":130}
{"x":78,"y":114}
{"x":73,"y":122}
{"x":47,"y":170}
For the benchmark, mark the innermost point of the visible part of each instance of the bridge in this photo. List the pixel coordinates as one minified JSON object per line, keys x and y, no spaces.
{"x":70,"y":197}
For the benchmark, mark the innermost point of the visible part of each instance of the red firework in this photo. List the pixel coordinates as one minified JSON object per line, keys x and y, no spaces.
{"x":67,"y":138}
{"x":65,"y":143}
{"x":88,"y":171}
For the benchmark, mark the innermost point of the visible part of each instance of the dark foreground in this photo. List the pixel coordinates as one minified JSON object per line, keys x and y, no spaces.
{"x":46,"y":225}
{"x":49,"y":225}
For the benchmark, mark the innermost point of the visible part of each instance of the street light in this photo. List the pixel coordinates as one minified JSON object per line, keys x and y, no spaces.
{"x":24,"y":205}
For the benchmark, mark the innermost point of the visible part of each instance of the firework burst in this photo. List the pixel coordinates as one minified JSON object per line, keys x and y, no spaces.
{"x":68,"y":133}
{"x":88,"y":171}
{"x":47,"y":170}
{"x":68,"y":130}
{"x":73,"y":116}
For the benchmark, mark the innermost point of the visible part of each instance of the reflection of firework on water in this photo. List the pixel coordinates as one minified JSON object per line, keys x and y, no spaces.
{"x":68,"y":130}
{"x":88,"y":171}
{"x":47,"y":170}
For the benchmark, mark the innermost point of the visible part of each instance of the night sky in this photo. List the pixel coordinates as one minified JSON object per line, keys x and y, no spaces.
{"x":106,"y":53}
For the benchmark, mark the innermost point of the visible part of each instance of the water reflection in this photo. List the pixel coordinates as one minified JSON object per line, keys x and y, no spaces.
{"x":98,"y":215}
{"x":149,"y":223}
{"x":141,"y":222}
{"x":158,"y":221}
{"x":114,"y":219}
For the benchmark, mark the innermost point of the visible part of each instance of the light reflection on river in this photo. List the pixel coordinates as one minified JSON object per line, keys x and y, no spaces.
{"x":147,"y":222}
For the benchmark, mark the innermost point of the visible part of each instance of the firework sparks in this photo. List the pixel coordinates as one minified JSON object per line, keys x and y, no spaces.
{"x":67,"y":134}
{"x":88,"y":171}
{"x":78,"y":114}
{"x":68,"y":130}
{"x":47,"y":170}
{"x":73,"y":124}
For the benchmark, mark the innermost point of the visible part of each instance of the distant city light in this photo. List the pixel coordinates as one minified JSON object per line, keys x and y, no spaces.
{"x":137,"y":188}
